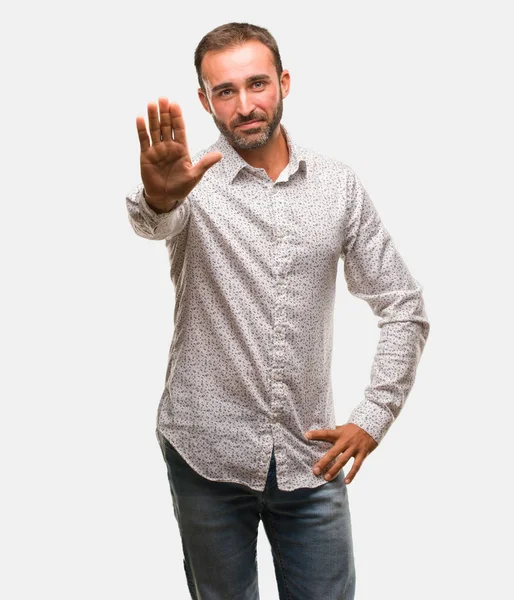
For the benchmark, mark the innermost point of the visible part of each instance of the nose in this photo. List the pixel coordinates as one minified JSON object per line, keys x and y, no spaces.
{"x":245,"y":105}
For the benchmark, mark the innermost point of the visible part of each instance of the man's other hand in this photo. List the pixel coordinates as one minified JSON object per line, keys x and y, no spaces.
{"x":349,"y":440}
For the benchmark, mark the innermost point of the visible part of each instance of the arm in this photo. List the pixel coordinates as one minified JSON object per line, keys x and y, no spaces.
{"x":375,"y":272}
{"x":148,"y":223}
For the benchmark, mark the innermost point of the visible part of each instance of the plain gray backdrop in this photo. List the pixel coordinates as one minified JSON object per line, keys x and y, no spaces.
{"x":417,"y":99}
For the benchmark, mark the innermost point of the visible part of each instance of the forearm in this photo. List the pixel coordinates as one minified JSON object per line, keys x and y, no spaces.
{"x":393,"y":373}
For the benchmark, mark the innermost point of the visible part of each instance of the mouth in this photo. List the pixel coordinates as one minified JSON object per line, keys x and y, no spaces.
{"x":250,"y":124}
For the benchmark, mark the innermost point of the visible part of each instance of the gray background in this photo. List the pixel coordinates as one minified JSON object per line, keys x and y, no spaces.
{"x":417,"y":99}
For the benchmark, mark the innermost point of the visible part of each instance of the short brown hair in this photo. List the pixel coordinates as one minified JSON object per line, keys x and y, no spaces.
{"x":231,"y":35}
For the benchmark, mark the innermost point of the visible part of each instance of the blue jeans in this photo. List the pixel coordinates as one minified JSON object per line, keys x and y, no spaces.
{"x":309,"y":530}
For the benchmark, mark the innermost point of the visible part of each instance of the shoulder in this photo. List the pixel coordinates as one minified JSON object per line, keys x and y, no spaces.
{"x":331,"y":172}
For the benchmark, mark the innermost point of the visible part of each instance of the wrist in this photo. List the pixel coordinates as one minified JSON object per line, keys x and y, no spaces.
{"x":151,"y":203}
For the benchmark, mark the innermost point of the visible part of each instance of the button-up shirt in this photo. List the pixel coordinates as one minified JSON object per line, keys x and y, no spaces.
{"x":254,"y":263}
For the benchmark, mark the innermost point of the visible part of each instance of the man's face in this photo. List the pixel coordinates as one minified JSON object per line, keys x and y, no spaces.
{"x":234,"y":99}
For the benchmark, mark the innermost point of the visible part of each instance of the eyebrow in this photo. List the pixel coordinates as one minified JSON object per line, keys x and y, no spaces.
{"x":227,"y":84}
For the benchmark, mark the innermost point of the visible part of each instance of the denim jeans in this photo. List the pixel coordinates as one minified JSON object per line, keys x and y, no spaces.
{"x":309,"y":531}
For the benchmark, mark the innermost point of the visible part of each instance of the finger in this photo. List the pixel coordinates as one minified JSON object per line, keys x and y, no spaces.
{"x":336,"y":467}
{"x":165,"y":119}
{"x":328,"y":458}
{"x":144,"y":140}
{"x":153,"y":120}
{"x":320,"y":434}
{"x":177,"y":123}
{"x":355,"y":468}
{"x":205,"y":163}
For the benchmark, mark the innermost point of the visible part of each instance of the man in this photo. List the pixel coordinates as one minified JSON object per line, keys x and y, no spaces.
{"x":254,"y":227}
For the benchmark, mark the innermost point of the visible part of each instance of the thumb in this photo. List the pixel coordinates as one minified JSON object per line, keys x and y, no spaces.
{"x":206,"y":162}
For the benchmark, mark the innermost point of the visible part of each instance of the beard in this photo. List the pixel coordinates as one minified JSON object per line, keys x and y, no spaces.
{"x":251,"y":138}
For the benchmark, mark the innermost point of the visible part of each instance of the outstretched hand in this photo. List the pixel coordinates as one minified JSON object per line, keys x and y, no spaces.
{"x":167,"y":170}
{"x":349,"y":440}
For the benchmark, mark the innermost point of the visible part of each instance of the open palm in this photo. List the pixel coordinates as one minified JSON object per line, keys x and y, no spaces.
{"x":166,"y":169}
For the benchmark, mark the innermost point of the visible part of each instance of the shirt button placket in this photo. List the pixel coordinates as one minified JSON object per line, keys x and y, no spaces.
{"x":279,"y":325}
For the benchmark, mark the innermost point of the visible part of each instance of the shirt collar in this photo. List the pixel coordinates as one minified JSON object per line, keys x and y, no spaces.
{"x":233,"y":162}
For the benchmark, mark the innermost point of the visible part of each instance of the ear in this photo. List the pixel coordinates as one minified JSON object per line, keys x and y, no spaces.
{"x":203,"y":100}
{"x":285,"y":82}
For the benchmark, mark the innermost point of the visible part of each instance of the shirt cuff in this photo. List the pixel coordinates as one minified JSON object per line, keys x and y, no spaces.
{"x":373,"y":418}
{"x":150,"y":224}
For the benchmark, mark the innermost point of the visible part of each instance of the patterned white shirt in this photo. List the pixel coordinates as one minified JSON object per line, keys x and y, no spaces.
{"x":254,"y":264}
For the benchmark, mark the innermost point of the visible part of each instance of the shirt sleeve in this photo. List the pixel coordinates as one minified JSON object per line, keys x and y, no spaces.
{"x":152,"y":225}
{"x":375,"y":272}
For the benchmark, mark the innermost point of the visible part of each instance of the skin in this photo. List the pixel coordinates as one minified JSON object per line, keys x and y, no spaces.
{"x":349,"y":441}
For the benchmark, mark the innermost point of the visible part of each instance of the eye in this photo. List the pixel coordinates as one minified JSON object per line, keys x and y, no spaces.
{"x":222,"y":93}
